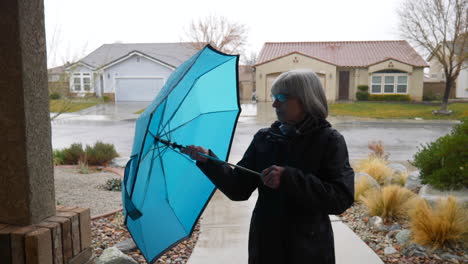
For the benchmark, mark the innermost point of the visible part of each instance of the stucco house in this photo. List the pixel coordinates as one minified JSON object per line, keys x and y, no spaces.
{"x":436,"y":73}
{"x":387,"y":67}
{"x":127,"y":72}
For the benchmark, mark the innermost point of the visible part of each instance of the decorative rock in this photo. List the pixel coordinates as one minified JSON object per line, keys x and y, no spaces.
{"x":126,"y":246}
{"x":432,"y":195}
{"x":114,"y":256}
{"x":375,"y":220}
{"x":415,"y":250}
{"x":448,"y":256}
{"x":398,"y":168}
{"x":394,"y":227}
{"x":403,"y":237}
{"x":390,"y":250}
{"x":372,"y":181}
{"x":413,"y":182}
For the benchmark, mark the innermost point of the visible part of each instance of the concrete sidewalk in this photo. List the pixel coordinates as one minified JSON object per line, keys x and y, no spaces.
{"x":224,"y":235}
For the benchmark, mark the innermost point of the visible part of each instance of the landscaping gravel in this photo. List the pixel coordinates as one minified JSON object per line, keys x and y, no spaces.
{"x":83,"y":190}
{"x":383,"y":239}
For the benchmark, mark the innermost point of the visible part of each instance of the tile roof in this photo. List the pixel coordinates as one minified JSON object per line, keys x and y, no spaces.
{"x":345,"y":53}
{"x":173,"y":54}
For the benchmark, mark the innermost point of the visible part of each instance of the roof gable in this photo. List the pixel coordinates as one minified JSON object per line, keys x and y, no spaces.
{"x":171,"y":54}
{"x":345,"y":53}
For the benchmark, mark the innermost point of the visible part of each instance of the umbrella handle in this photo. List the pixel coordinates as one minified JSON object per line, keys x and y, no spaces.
{"x":230,"y":164}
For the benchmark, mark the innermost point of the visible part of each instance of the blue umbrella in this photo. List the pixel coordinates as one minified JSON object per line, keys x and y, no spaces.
{"x":164,"y":193}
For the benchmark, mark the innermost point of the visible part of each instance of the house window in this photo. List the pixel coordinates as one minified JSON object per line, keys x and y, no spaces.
{"x":389,"y":83}
{"x":81,"y":82}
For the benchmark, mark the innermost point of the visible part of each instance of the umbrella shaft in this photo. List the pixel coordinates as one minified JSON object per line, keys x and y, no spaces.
{"x":230,"y":164}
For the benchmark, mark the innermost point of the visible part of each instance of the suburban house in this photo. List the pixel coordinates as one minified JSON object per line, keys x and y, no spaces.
{"x":387,"y":67}
{"x":437,"y":75}
{"x":127,"y":72}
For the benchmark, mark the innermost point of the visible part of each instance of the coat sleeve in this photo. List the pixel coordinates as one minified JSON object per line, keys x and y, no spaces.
{"x":236,"y":184}
{"x":333,"y":191}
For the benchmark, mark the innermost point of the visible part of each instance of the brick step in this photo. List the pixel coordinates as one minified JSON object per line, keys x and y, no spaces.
{"x":61,"y":239}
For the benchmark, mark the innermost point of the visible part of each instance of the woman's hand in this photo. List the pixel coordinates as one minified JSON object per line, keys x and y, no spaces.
{"x":193,"y":152}
{"x":271,"y":176}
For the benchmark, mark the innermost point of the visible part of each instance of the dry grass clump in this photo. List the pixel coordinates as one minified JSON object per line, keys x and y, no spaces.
{"x":361,"y":186}
{"x":399,"y":178}
{"x":446,"y":224}
{"x":378,"y":150}
{"x":375,"y":167}
{"x":391,"y":203}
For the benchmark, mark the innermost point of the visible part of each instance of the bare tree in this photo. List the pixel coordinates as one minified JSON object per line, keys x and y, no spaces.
{"x":224,"y":35}
{"x":440,"y":27}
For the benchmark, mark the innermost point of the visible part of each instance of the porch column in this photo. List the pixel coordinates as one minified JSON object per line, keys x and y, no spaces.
{"x":26,"y":170}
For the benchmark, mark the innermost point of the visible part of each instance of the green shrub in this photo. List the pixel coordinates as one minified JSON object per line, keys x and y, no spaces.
{"x":114,"y":184}
{"x":100,"y":153}
{"x":363,"y":88}
{"x":59,"y":157}
{"x":442,"y":163}
{"x":389,"y":97}
{"x":54,"y":96}
{"x":106,"y":98}
{"x":73,"y":154}
{"x":362,"y":94}
{"x":432,"y":97}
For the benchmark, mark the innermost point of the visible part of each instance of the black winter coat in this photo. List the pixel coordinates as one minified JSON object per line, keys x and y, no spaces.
{"x":291,"y":224}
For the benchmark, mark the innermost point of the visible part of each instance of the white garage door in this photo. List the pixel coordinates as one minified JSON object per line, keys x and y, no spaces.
{"x":137,"y":89}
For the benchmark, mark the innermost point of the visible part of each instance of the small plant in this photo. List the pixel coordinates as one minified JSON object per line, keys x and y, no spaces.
{"x":73,"y":154}
{"x":59,"y":157}
{"x":375,"y":167}
{"x":361,"y":187}
{"x":391,"y":202}
{"x":378,"y":150}
{"x":55,"y":96}
{"x":106,"y":98}
{"x":390,"y":97}
{"x":442,"y":163}
{"x":100,"y":153}
{"x":362,"y":94}
{"x":114,"y":184}
{"x":446,"y":224}
{"x":83,"y":167}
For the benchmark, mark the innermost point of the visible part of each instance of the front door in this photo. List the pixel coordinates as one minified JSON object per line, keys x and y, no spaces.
{"x":343,"y":93}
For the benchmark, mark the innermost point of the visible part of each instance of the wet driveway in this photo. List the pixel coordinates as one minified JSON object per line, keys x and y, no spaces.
{"x":115,"y":123}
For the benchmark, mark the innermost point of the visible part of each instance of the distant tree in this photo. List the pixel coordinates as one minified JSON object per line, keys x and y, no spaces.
{"x":440,"y":27}
{"x":224,"y":35}
{"x":250,"y":59}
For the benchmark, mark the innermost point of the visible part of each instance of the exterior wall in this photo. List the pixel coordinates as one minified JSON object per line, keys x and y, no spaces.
{"x":437,"y":90}
{"x":246,"y":90}
{"x":462,"y":83}
{"x":435,"y":71}
{"x":295,"y":61}
{"x":131,"y":67}
{"x":416,"y":84}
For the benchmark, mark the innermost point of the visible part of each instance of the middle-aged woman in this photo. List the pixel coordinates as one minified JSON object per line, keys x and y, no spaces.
{"x":306,"y":176}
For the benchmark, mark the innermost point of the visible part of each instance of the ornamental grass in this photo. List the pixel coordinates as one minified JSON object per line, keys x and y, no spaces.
{"x":391,"y":202}
{"x":376,"y":167}
{"x":361,"y":186}
{"x":445,"y":224}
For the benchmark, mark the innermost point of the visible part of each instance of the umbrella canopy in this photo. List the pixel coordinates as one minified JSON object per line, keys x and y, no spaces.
{"x":164,"y":193}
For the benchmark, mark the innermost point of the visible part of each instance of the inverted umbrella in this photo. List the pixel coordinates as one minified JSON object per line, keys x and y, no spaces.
{"x":164,"y":193}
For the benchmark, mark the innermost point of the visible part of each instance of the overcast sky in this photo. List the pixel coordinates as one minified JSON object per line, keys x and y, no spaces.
{"x":76,"y":28}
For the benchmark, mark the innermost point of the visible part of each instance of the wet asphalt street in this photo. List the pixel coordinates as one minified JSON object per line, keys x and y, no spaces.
{"x":115,"y":123}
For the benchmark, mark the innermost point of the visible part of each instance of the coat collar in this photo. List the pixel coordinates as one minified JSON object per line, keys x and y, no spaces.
{"x":309,"y":125}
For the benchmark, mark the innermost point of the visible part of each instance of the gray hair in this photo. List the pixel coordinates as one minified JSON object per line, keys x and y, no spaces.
{"x":305,"y":85}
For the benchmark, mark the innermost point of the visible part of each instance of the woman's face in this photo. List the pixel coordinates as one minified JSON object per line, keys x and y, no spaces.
{"x":288,"y":109}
